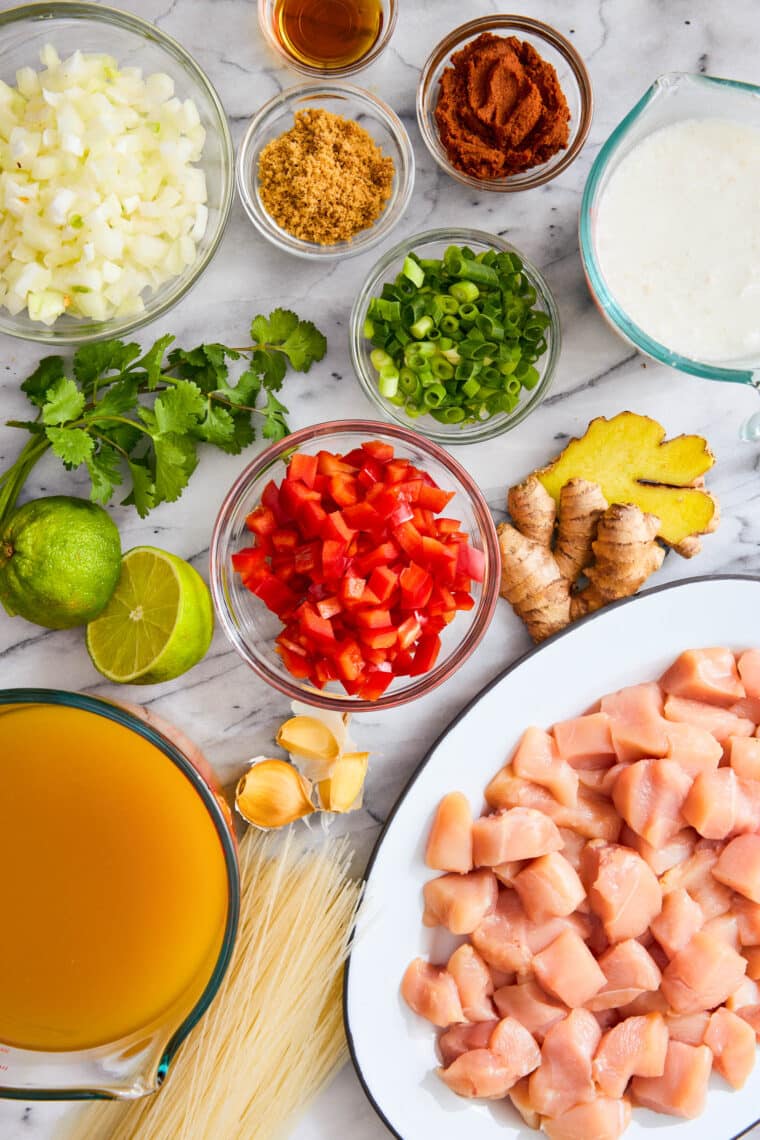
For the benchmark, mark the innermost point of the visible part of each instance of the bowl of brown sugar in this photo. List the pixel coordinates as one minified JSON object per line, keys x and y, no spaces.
{"x":325,"y":170}
{"x":504,"y":103}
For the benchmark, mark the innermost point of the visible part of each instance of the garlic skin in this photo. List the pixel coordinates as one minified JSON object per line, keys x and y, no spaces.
{"x":272,"y":794}
{"x":342,"y":792}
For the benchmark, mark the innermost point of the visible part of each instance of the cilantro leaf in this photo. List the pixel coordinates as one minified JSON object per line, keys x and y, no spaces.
{"x":176,"y":459}
{"x":217,"y":426}
{"x":121,"y":397}
{"x":179,"y":408}
{"x":244,"y":435}
{"x":49,"y":370}
{"x":275,"y":426}
{"x":153,"y":360}
{"x":92,"y":361}
{"x":206,"y":365}
{"x":124,"y":437}
{"x":271,"y":366}
{"x":304,"y":345}
{"x":64,"y":403}
{"x":274,"y":329}
{"x":73,"y":445}
{"x":105,"y":473}
{"x":143,"y":494}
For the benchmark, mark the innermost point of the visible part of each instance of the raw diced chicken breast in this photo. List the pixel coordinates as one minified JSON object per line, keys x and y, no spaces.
{"x":725,"y":927}
{"x":480,"y":1074}
{"x":529,"y":1005}
{"x":702,"y":975}
{"x":636,"y":722}
{"x":739,"y":866}
{"x":678,"y":921}
{"x":682,"y":1088}
{"x":722,"y":723}
{"x":606,"y":1018}
{"x":474,"y":983}
{"x":572,"y":846}
{"x":461,"y":1039}
{"x":712,"y":898}
{"x":593,"y":816}
{"x":751,"y":1014}
{"x":732,"y":1043}
{"x":649,"y":795}
{"x":460,"y":902}
{"x":519,"y":1094}
{"x":549,"y":886}
{"x":501,"y":938}
{"x":744,"y":756}
{"x":692,"y":872}
{"x":749,"y":671}
{"x":748,"y":708}
{"x":622,"y":890}
{"x":687,"y":1027}
{"x":708,"y":675}
{"x":432,"y":993}
{"x":515,"y":833}
{"x":746,"y":993}
{"x":752,"y":954}
{"x":449,"y":845}
{"x":506,"y":873}
{"x":512,"y":1040}
{"x":662,"y":858}
{"x":630,"y":970}
{"x":600,"y":1119}
{"x":585,"y":741}
{"x":634,"y":1047}
{"x":538,"y":935}
{"x":568,"y":969}
{"x":651,"y":1001}
{"x":565,"y":1078}
{"x":536,"y":758}
{"x":694,"y":748}
{"x":712,"y":804}
{"x":748,"y":914}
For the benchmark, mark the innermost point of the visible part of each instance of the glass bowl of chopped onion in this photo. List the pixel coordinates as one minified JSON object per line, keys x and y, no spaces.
{"x":116,"y":172}
{"x":287,"y":193}
{"x":416,"y":341}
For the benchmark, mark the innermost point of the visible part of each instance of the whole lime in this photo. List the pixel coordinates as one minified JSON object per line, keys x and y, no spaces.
{"x":60,"y":560}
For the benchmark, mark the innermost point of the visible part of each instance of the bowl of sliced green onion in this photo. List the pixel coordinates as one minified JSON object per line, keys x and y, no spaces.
{"x":455,"y":335}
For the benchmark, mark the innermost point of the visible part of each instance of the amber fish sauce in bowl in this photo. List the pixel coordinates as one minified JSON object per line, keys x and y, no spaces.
{"x":328,"y":37}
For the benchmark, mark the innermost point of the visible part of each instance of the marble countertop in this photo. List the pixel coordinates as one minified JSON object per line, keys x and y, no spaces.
{"x":230,"y":713}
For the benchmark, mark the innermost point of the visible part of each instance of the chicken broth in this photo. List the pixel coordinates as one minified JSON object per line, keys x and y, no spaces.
{"x":114,"y":892}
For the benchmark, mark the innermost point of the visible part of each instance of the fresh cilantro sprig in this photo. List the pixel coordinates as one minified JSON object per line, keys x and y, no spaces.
{"x":135,"y":418}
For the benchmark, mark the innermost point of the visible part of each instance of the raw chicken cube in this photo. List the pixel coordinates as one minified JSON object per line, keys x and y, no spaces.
{"x":474,"y":983}
{"x":630,"y":970}
{"x":712,"y":898}
{"x":506,"y":873}
{"x":586,"y":741}
{"x":702,"y":975}
{"x":739,"y":866}
{"x":565,"y":1077}
{"x":649,"y":796}
{"x":501,"y":938}
{"x":732,"y":1043}
{"x":512,"y":834}
{"x":752,"y":954}
{"x":694,"y":748}
{"x":512,"y":1040}
{"x":529,"y":1005}
{"x":600,"y":1119}
{"x":712,"y":804}
{"x":748,"y":914}
{"x":449,"y":845}
{"x":636,"y":722}
{"x":708,"y":675}
{"x":749,"y":671}
{"x":746,"y":993}
{"x":480,"y":1074}
{"x":460,"y":902}
{"x":594,"y":816}
{"x":687,"y":1027}
{"x":662,"y":858}
{"x":722,"y":723}
{"x":459,"y":1039}
{"x":744,"y":756}
{"x":536,"y":758}
{"x":726,"y":928}
{"x":622,"y":889}
{"x":692,"y":872}
{"x":432,"y":993}
{"x":549,"y":886}
{"x":682,"y":1088}
{"x":519,"y":1095}
{"x":568,"y":969}
{"x":678,"y":921}
{"x":634,"y":1047}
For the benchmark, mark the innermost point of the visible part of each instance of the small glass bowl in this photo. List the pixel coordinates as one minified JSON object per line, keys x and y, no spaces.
{"x":89,"y":27}
{"x":267,"y":21}
{"x":433,"y":243}
{"x":277,"y":116}
{"x":551,"y":46}
{"x":252,"y":628}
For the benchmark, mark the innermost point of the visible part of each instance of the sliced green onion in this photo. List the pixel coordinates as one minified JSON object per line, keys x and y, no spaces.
{"x":414,"y":271}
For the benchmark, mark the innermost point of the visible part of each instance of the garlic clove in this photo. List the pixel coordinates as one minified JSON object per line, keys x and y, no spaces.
{"x":309,"y":738}
{"x":272,"y":793}
{"x":343,"y":791}
{"x":335,"y":721}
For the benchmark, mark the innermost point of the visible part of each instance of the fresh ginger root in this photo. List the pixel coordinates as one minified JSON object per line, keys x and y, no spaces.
{"x":581,"y":505}
{"x":532,"y":584}
{"x":626,"y":552}
{"x":533,"y":510}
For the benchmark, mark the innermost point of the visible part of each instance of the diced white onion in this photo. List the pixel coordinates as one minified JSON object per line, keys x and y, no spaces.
{"x":100,"y":197}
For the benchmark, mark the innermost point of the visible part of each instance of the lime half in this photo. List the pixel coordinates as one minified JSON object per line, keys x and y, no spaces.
{"x":158,"y":623}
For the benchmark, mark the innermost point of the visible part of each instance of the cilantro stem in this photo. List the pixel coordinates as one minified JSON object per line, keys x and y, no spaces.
{"x":14,"y":478}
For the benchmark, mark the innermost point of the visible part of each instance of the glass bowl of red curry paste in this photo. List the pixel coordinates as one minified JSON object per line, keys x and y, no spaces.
{"x":506,"y":117}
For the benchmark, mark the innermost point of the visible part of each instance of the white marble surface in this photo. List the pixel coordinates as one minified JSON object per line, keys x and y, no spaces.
{"x":229,"y":712}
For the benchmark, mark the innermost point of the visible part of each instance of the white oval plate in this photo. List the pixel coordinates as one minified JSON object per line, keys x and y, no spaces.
{"x":392,"y":1049}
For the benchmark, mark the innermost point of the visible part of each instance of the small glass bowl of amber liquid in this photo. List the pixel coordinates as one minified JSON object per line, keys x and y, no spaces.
{"x":328,"y":37}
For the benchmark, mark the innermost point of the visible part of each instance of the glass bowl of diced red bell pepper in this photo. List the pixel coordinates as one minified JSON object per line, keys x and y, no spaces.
{"x":354,"y":565}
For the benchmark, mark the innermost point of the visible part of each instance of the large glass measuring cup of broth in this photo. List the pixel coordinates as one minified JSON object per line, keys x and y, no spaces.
{"x":119,"y":896}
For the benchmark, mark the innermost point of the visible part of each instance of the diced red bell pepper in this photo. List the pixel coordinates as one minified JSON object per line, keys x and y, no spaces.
{"x":416,"y":587}
{"x":383,"y":555}
{"x":261,"y":521}
{"x":471,"y":562}
{"x":312,"y":518}
{"x":329,"y":464}
{"x":333,"y":558}
{"x":270,"y":497}
{"x":371,"y":472}
{"x":334,"y":526}
{"x":426,"y":654}
{"x":382,"y":583}
{"x":303,"y":467}
{"x":424,"y":521}
{"x":383,"y":452}
{"x":403,"y":663}
{"x":445,"y":527}
{"x":276,"y":595}
{"x":364,"y":517}
{"x":285,"y":540}
{"x":298,"y":666}
{"x":251,"y":562}
{"x":318,"y":629}
{"x":344,"y":490}
{"x":408,"y":632}
{"x":464,"y":601}
{"x":434,"y":498}
{"x":294,"y":494}
{"x":374,"y":618}
{"x":409,"y":539}
{"x":441,"y":601}
{"x":324,"y":671}
{"x":348,"y":660}
{"x":378,"y":638}
{"x":351,"y":590}
{"x":438,"y":556}
{"x":283,"y":566}
{"x":329,"y":607}
{"x":307,"y":558}
{"x":396,"y":471}
{"x":374,"y":684}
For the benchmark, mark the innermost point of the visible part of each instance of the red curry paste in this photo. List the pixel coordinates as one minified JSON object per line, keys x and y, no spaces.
{"x":500,"y":108}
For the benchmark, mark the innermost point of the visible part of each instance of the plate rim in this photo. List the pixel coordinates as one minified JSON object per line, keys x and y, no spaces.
{"x":567,"y":631}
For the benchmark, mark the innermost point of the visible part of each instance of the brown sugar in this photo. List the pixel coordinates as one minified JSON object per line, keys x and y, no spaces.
{"x":325,"y":179}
